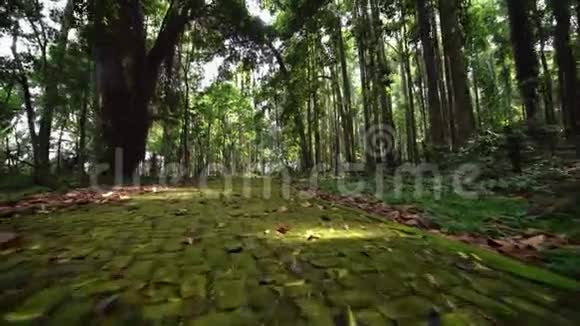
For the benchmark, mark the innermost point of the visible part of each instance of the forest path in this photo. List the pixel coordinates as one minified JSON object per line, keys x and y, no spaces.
{"x":207,"y":258}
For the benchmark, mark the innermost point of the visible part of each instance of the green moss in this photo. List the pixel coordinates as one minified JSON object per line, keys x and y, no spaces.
{"x":497,"y":261}
{"x":140,"y":270}
{"x":73,"y":313}
{"x":157,"y":312}
{"x":406,"y":307}
{"x":315,"y":312}
{"x":352,"y":298}
{"x":463,"y":318}
{"x":194,"y":285}
{"x":481,"y":300}
{"x":229,"y":295}
{"x":38,"y":305}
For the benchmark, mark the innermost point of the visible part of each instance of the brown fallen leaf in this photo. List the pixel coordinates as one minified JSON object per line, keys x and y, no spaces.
{"x":535,"y":242}
{"x":8,"y":240}
{"x":283,"y":228}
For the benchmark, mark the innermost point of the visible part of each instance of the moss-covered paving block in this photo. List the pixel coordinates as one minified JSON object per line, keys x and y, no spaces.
{"x":406,"y":307}
{"x":194,"y":285}
{"x":296,"y":289}
{"x":140,"y":270}
{"x":172,"y":308}
{"x":225,"y":318}
{"x":315,"y":312}
{"x":327,"y":261}
{"x":463,"y":318}
{"x":229,"y":294}
{"x":167,"y":274}
{"x":118,"y":263}
{"x":102,"y":287}
{"x":370,"y":318}
{"x":262,"y":297}
{"x":160,"y":292}
{"x":73,"y":313}
{"x":38,"y":305}
{"x":352,"y":298}
{"x":481,"y":300}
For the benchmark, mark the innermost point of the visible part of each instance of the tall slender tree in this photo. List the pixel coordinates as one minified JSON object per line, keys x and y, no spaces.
{"x":453,"y":48}
{"x":525,"y":55}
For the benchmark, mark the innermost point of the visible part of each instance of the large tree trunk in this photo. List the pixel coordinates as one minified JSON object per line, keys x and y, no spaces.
{"x":525,"y":56}
{"x":127,"y":73}
{"x":453,"y":47}
{"x":436,"y":124}
{"x":566,"y":65}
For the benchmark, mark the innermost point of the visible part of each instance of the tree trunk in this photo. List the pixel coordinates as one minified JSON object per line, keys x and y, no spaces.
{"x":479,"y":120}
{"x":362,"y":38}
{"x":453,"y":47}
{"x":427,"y":32}
{"x":407,"y":82}
{"x":567,"y":66}
{"x":128,"y":73}
{"x":347,"y":98}
{"x":382,"y":80}
{"x":83,"y":135}
{"x":525,"y":56}
{"x":547,"y":86}
{"x":419,"y":81}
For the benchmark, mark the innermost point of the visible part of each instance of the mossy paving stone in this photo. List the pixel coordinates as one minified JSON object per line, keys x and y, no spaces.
{"x":38,"y":305}
{"x":352,"y":298}
{"x":71,"y":313}
{"x":464,"y":318}
{"x":235,"y":318}
{"x":370,"y":318}
{"x":193,"y":256}
{"x":118,"y":263}
{"x":15,"y":278}
{"x":525,"y":307}
{"x":262,"y":298}
{"x":493,"y":306}
{"x":193,"y":286}
{"x":327,"y":261}
{"x":167,"y":273}
{"x":102,"y":287}
{"x":387,"y":267}
{"x":156,"y":292}
{"x":297,"y":289}
{"x":140,"y":270}
{"x":315,"y":312}
{"x":173,"y":308}
{"x":406,"y":308}
{"x":229,"y":294}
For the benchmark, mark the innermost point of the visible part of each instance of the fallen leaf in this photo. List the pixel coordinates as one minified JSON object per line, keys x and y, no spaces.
{"x":535,"y":242}
{"x":108,"y":194}
{"x":283,"y":209}
{"x":8,"y":240}
{"x":181,"y":212}
{"x":283,"y":228}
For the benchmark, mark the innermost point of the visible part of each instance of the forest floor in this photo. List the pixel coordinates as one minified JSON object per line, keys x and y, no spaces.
{"x":206,"y":257}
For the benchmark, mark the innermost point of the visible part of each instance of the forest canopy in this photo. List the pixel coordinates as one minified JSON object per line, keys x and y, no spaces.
{"x":298,"y":83}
